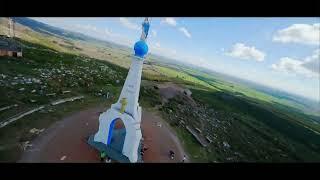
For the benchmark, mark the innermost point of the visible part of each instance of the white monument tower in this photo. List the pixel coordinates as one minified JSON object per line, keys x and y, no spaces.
{"x":127,"y":107}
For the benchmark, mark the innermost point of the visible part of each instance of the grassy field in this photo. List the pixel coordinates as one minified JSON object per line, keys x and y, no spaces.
{"x":29,"y":81}
{"x":14,"y":135}
{"x":254,"y":133}
{"x":290,"y":135}
{"x":282,"y":107}
{"x":245,"y":124}
{"x":108,"y":52}
{"x":257,"y":126}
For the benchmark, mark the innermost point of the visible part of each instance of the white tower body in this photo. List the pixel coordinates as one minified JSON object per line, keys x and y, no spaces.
{"x":127,"y":109}
{"x":131,"y":117}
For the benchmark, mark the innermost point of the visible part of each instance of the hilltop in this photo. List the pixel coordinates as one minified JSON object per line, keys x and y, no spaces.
{"x":234,"y":120}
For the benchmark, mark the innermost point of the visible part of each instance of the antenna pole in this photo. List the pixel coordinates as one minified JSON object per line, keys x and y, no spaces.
{"x":13,"y":28}
{"x":10,"y":27}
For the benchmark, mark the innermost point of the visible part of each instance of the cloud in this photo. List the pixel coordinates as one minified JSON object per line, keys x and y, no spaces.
{"x":299,"y":33}
{"x":185,"y":32}
{"x":309,"y":67}
{"x":126,"y":23}
{"x":154,"y":33}
{"x":240,"y":50}
{"x":313,"y":62}
{"x":108,"y":32}
{"x":157,"y":45}
{"x":169,"y":21}
{"x":173,"y":22}
{"x":290,"y":66}
{"x":87,"y":27}
{"x":91,"y":30}
{"x":156,"y":48}
{"x":99,"y":33}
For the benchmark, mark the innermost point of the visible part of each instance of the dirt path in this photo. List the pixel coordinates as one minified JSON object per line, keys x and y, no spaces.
{"x":65,"y":141}
{"x":159,"y":138}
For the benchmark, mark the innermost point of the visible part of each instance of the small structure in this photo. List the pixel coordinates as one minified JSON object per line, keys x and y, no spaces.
{"x":198,"y":130}
{"x":187,"y":92}
{"x":209,"y":139}
{"x":8,"y":47}
{"x":19,"y":116}
{"x":225,"y":144}
{"x":66,"y":100}
{"x":198,"y":138}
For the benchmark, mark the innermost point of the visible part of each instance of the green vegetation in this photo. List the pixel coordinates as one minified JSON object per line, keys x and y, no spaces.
{"x":283,"y":107}
{"x":245,"y":124}
{"x":258,"y":126}
{"x":198,"y":153}
{"x":29,"y":81}
{"x":186,"y":78}
{"x":283,"y":132}
{"x":253,"y":133}
{"x":149,"y":97}
{"x":14,"y":135}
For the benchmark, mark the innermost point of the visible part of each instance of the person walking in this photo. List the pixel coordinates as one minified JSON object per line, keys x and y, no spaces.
{"x":184,"y":158}
{"x":102,"y":156}
{"x":171,"y":154}
{"x":108,"y":160}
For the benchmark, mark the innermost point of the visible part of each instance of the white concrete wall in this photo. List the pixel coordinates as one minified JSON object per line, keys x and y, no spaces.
{"x":132,"y":115}
{"x":133,"y":132}
{"x":131,"y":87}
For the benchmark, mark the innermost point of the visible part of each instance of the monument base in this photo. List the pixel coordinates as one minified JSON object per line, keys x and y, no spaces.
{"x":111,"y":152}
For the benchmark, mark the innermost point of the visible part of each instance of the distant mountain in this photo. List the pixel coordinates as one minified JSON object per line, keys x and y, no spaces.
{"x":66,"y":34}
{"x":309,"y":104}
{"x":50,"y":30}
{"x":62,"y":33}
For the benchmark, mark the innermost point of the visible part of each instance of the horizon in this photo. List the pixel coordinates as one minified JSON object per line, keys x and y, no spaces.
{"x":245,"y":58}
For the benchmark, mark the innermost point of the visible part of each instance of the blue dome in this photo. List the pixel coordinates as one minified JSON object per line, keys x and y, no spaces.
{"x":140,"y":48}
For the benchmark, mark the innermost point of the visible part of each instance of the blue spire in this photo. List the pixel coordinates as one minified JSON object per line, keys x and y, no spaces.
{"x":141,"y":47}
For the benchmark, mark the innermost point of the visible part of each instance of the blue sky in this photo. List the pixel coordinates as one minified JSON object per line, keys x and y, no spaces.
{"x":278,"y":52}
